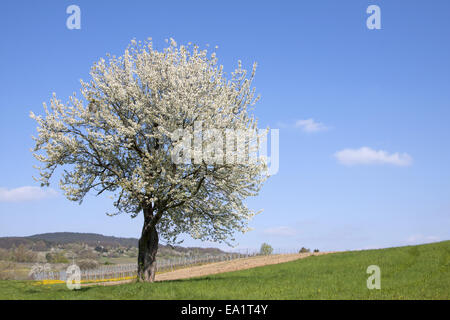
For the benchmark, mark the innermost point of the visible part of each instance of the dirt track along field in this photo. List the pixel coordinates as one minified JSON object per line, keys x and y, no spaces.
{"x":223,"y":266}
{"x":233,"y":265}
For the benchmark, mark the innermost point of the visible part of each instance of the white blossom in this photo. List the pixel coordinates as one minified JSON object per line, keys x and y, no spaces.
{"x":117,"y":138}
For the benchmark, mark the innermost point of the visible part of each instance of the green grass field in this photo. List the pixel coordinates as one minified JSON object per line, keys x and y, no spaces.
{"x":412,"y":272}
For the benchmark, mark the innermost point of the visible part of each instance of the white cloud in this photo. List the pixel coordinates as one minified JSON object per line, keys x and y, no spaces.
{"x":310,"y":126}
{"x":26,"y":193}
{"x":367,"y":155}
{"x":421,"y":239}
{"x":280,"y":231}
{"x":281,"y":124}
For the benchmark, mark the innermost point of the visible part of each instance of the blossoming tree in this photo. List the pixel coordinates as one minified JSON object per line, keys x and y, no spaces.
{"x":118,"y":138}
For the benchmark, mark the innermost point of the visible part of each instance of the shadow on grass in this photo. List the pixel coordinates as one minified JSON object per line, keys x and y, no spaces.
{"x":206,"y":278}
{"x":82,"y":289}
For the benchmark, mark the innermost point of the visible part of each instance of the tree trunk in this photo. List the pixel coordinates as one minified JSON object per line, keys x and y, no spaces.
{"x":148,"y":247}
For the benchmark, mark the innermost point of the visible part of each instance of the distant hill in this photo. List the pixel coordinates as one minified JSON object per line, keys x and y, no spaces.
{"x":91,"y":239}
{"x":9,"y":242}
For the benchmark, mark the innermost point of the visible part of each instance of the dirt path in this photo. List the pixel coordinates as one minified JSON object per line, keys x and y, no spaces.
{"x":220,"y":267}
{"x":233,"y":265}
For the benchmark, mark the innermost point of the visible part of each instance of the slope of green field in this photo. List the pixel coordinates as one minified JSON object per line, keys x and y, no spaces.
{"x":412,"y":272}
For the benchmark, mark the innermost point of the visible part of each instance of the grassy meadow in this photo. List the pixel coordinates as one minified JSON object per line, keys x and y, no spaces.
{"x":411,"y":272}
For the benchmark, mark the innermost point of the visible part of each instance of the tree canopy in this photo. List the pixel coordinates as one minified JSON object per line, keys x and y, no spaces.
{"x":118,"y":137}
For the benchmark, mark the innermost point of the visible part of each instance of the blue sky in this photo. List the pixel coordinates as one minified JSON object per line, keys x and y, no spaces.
{"x":386,"y":90}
